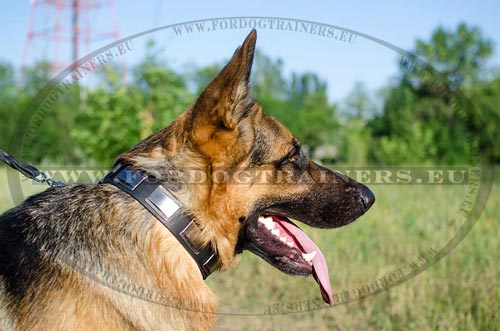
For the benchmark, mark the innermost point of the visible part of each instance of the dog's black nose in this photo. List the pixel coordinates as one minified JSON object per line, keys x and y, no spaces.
{"x":367,"y":197}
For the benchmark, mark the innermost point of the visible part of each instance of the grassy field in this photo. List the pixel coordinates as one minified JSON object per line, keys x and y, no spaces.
{"x":460,"y":292}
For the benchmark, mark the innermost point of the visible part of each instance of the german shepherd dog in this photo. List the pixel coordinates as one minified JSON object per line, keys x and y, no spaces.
{"x":91,"y":257}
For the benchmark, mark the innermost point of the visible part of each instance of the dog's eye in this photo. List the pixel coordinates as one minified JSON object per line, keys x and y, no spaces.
{"x":294,"y":158}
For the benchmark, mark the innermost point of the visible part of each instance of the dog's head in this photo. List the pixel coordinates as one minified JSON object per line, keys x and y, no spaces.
{"x":244,"y":175}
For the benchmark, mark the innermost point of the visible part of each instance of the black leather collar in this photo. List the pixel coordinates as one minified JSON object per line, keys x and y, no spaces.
{"x":148,"y":191}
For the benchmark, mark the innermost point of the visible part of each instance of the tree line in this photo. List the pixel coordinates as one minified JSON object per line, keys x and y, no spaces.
{"x":417,"y":118}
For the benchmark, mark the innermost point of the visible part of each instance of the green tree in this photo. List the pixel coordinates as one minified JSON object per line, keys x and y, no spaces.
{"x":299,"y":101}
{"x":359,"y":103}
{"x":48,"y":134}
{"x":459,"y":55}
{"x":357,"y":108}
{"x":268,"y":80}
{"x":486,"y":100}
{"x":117,"y":115}
{"x":108,"y":123}
{"x":9,"y":111}
{"x":420,"y":122}
{"x":313,"y":118}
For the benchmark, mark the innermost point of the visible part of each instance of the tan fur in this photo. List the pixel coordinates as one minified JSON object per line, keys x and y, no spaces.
{"x":164,"y":287}
{"x":106,"y":263}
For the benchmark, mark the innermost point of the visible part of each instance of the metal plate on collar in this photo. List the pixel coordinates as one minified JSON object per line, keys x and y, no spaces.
{"x":161,"y":200}
{"x":190,"y":234}
{"x":130,"y":178}
{"x":211,"y":264}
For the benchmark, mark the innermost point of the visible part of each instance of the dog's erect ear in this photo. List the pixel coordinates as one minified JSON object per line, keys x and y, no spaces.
{"x":226,"y":99}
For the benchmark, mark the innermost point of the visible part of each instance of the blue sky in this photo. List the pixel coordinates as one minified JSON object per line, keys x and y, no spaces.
{"x":398,"y":22}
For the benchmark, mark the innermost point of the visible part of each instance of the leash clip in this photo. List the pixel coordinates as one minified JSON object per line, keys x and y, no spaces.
{"x":28,"y":170}
{"x":43,"y":178}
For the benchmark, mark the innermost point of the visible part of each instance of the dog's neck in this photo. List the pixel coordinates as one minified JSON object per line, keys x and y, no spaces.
{"x":162,"y":204}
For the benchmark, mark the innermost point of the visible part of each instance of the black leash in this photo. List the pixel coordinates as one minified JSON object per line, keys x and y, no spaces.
{"x":28,"y":170}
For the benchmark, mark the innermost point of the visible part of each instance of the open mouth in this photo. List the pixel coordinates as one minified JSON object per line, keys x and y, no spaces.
{"x":285,"y":246}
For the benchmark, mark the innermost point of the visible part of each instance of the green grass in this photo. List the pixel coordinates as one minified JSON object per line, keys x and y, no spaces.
{"x":28,"y":188}
{"x":461,"y":292}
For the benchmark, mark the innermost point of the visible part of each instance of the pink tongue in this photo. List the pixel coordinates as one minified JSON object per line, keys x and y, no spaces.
{"x":320,"y":270}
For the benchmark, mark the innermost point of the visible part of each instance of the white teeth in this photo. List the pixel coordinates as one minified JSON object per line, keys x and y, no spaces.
{"x":283,"y":240}
{"x":267,"y":221}
{"x":309,"y":256}
{"x":290,"y":244}
{"x":276,"y":232}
